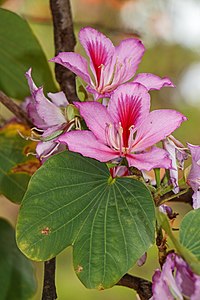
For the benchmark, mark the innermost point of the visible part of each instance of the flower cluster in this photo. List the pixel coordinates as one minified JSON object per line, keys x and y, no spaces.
{"x":121,"y":129}
{"x":176,"y":281}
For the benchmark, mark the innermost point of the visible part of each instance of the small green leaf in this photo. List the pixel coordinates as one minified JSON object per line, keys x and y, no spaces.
{"x":19,"y":51}
{"x":80,"y":90}
{"x":190,"y":233}
{"x":16,"y":271}
{"x":72,"y":201}
{"x":15,"y":167}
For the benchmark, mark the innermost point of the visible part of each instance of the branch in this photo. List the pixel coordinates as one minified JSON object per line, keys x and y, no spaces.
{"x":49,"y":287}
{"x":186,"y":197}
{"x":15,"y":109}
{"x":141,"y":286}
{"x":64,"y":40}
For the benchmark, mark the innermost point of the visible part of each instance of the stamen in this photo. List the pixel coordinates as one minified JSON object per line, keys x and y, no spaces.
{"x":131,"y":140}
{"x":101,"y":66}
{"x":31,"y":153}
{"x":52,"y":151}
{"x":27,"y":138}
{"x":120,"y":131}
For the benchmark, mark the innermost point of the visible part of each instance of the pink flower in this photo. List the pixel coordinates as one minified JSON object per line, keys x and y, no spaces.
{"x":125,"y":129}
{"x":110,"y":66}
{"x":48,"y":118}
{"x":175,"y":281}
{"x":177,"y":155}
{"x":194,"y":176}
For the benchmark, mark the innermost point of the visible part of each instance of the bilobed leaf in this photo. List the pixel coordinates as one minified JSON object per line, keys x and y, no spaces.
{"x":15,"y":167}
{"x":16,"y":271}
{"x":189,"y":232}
{"x":19,"y":51}
{"x":72,"y":200}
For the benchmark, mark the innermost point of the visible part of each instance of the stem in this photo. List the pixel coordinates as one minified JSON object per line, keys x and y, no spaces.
{"x":15,"y":109}
{"x":64,"y":40}
{"x":177,"y":197}
{"x":157,"y":176}
{"x":161,"y":245}
{"x":49,"y":287}
{"x":141,"y":286}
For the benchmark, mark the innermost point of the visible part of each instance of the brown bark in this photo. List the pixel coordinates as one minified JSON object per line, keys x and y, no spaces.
{"x":15,"y":109}
{"x":49,"y":287}
{"x":64,"y":40}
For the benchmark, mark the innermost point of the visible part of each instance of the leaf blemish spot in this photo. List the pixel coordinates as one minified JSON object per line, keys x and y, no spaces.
{"x":46,"y":231}
{"x":79,"y":269}
{"x":101,"y":287}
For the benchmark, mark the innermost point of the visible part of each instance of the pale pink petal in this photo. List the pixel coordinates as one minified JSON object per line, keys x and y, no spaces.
{"x":59,"y":99}
{"x":74,"y":62}
{"x":194,"y":176}
{"x":154,"y":158}
{"x":42,"y":112}
{"x":153,"y":82}
{"x":85,"y":142}
{"x":33,"y":115}
{"x":48,"y":112}
{"x":43,"y":148}
{"x":99,"y":49}
{"x":195,"y":152}
{"x":31,"y":83}
{"x":156,"y":127}
{"x":128,"y":56}
{"x":96,"y":117}
{"x":169,"y":146}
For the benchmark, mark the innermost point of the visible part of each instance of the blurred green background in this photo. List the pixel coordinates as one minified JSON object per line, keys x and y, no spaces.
{"x":170,"y":30}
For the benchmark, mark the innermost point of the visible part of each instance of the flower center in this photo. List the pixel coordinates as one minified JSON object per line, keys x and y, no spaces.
{"x":115,"y":138}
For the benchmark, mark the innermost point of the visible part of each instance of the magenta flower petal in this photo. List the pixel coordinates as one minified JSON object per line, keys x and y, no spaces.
{"x":96,"y":117}
{"x":74,"y":62}
{"x":153,"y":82}
{"x":154,"y":158}
{"x":156,"y":127}
{"x":128,"y":55}
{"x":98,"y":47}
{"x":194,"y":176}
{"x":129,"y":104}
{"x":87,"y":144}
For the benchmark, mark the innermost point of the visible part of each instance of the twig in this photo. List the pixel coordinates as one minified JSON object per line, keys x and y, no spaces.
{"x":141,"y":286}
{"x":49,"y":287}
{"x":186,"y":197}
{"x":64,"y":40}
{"x":15,"y":109}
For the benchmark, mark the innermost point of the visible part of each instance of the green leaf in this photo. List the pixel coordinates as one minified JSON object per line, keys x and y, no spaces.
{"x":181,"y":248}
{"x":15,"y":167}
{"x":80,"y":90}
{"x":72,"y":200}
{"x":19,"y":51}
{"x":16,"y":271}
{"x":189,"y":232}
